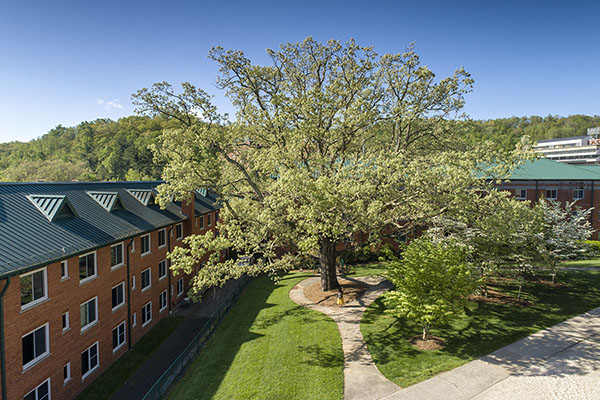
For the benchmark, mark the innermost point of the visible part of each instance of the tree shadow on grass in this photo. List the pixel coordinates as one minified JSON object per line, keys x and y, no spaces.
{"x":206,"y":373}
{"x":307,"y":317}
{"x":319,"y":356}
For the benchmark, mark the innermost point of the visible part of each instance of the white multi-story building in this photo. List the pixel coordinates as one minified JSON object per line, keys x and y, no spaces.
{"x":573,"y":150}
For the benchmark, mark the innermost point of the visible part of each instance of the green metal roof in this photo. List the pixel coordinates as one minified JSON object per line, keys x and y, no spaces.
{"x":590,"y":167}
{"x":36,"y":229}
{"x":544,"y":169}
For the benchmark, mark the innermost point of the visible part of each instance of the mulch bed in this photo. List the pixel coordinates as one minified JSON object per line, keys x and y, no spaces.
{"x":352,"y":290}
{"x":431,"y":343}
{"x":499,"y":298}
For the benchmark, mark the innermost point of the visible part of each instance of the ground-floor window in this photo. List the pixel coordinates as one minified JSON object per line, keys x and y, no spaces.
{"x":118,"y":336}
{"x":41,"y":392}
{"x":89,"y":360}
{"x":147,"y":313}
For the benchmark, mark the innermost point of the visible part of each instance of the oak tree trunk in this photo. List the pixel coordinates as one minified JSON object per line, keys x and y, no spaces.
{"x":327,"y":265}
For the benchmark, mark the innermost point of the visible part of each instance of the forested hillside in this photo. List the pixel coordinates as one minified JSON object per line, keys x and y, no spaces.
{"x":119,"y":150}
{"x":98,"y":150}
{"x":507,"y":132}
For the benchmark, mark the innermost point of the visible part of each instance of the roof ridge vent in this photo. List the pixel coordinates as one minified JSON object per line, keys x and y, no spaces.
{"x":52,"y":206}
{"x":108,"y":200}
{"x":144,"y":196}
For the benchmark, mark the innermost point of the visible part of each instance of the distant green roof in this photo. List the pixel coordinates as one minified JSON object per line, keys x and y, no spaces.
{"x":591,"y":167}
{"x":544,"y":169}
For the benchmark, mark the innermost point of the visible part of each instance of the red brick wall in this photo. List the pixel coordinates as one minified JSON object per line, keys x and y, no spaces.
{"x":564,"y":191}
{"x":68,"y":295}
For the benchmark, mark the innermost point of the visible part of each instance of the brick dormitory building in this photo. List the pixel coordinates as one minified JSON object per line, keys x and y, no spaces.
{"x":83,"y":276}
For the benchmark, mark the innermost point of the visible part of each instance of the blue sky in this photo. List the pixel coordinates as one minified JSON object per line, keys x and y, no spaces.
{"x":65,"y":62}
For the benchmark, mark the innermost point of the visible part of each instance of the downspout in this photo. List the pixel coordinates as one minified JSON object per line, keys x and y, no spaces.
{"x":2,"y":348}
{"x":129,"y":295}
{"x":169,"y":266}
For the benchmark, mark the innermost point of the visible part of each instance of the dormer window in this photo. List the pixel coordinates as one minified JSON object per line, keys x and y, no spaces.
{"x":53,"y":207}
{"x":108,"y":200}
{"x":144,"y":196}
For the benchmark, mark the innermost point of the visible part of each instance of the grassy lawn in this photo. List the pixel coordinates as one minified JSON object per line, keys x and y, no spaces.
{"x":268,"y":347}
{"x":115,"y":377}
{"x":484,"y":328}
{"x":375,"y":269}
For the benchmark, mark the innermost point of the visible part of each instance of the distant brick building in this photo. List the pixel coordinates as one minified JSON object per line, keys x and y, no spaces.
{"x":83,"y":276}
{"x":558,"y":181}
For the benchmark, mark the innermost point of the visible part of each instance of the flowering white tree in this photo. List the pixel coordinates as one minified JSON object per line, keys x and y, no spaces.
{"x":564,"y":230}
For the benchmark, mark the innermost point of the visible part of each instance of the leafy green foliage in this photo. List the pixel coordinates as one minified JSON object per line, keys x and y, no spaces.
{"x":507,"y":132}
{"x":329,"y":139}
{"x":484,"y":328}
{"x":98,"y":150}
{"x":432,"y":282}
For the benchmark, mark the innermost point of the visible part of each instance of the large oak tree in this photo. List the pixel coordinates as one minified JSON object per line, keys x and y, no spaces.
{"x":329,"y":139}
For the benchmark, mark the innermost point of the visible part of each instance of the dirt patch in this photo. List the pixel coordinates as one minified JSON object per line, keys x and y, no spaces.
{"x":431,"y":343}
{"x":543,"y":282}
{"x":499,"y":298}
{"x":352,"y":290}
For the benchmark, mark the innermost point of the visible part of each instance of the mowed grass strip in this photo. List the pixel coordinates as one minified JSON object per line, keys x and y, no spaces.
{"x":114,"y":377}
{"x":485,"y":328}
{"x":268,"y":347}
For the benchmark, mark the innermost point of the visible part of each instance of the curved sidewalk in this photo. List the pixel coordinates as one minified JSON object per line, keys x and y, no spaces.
{"x":362,"y":379}
{"x":558,"y":363}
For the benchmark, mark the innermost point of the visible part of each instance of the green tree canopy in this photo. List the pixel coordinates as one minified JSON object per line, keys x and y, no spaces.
{"x":329,"y":140}
{"x":431,"y":283}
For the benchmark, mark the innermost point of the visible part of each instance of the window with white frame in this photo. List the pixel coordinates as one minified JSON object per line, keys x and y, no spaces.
{"x":162,"y":269}
{"x":118,"y":295}
{"x":145,"y":244}
{"x":35,"y":346}
{"x":118,"y":335}
{"x":577,"y":194}
{"x":66,"y":324}
{"x":42,"y":392}
{"x":146,"y":279}
{"x":64,"y":270}
{"x":209,"y":219}
{"x":132,"y":282}
{"x":146,"y":313}
{"x":132,"y":247}
{"x":116,"y":255}
{"x":162,"y":238}
{"x":67,"y":372}
{"x":89,"y":313}
{"x":87,"y":267}
{"x":551,"y":194}
{"x":89,"y":360}
{"x":521,"y":194}
{"x":179,"y":231}
{"x":162,"y":300}
{"x":34,"y":288}
{"x":180,"y":287}
{"x":134,"y":319}
{"x":202,"y":222}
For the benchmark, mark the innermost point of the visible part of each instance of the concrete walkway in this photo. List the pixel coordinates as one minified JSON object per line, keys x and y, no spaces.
{"x":558,"y":363}
{"x":362,"y":379}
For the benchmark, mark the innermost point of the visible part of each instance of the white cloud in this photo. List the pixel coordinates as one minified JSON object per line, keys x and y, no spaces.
{"x":110,"y":104}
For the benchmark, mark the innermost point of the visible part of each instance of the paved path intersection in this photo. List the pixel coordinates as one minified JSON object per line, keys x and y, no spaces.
{"x":558,"y":363}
